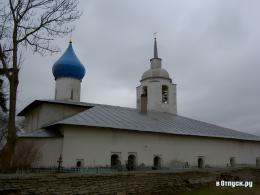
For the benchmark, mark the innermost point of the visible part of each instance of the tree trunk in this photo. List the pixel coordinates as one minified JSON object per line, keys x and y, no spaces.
{"x":11,"y":138}
{"x":9,"y":149}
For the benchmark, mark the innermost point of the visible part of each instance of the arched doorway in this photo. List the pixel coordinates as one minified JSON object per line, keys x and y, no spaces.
{"x":157,"y":162}
{"x":232,"y":161}
{"x":115,"y":162}
{"x":131,"y":162}
{"x":200,"y":162}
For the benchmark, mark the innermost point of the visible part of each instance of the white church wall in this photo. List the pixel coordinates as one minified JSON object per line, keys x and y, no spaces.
{"x":67,"y":89}
{"x":49,"y":150}
{"x":32,"y":119}
{"x":49,"y":113}
{"x":154,"y":95}
{"x":95,"y":146}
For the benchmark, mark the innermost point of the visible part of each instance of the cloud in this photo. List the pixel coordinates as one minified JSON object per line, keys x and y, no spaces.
{"x":210,"y":48}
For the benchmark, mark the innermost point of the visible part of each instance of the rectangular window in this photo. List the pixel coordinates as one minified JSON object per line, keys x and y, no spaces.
{"x":165,"y":94}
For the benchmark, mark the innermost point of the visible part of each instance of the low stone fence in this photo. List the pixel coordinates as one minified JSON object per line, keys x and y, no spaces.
{"x":152,"y":182}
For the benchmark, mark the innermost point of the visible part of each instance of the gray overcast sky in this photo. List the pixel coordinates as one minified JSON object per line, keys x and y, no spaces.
{"x":209,"y":47}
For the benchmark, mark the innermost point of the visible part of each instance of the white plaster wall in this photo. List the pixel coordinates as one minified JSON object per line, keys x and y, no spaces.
{"x":49,"y":150}
{"x":64,"y":87}
{"x":95,"y":146}
{"x":48,"y":113}
{"x":154,"y":95}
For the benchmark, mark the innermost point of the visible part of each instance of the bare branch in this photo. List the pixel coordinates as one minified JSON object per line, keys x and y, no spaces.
{"x":5,"y":70}
{"x":30,"y":24}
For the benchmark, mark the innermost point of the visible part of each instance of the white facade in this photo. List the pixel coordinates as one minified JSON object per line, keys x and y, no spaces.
{"x":153,"y":88}
{"x":46,"y":114}
{"x":95,"y":146}
{"x":67,"y":88}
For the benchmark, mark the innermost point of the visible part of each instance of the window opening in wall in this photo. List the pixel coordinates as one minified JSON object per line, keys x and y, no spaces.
{"x":157,"y":162}
{"x":115,"y":161}
{"x":165,"y":94}
{"x":232,"y":161}
{"x":79,"y":163}
{"x":71,"y":94}
{"x":144,"y":99}
{"x":131,"y":162}
{"x":200,"y":162}
{"x":257,"y":162}
{"x":144,"y":92}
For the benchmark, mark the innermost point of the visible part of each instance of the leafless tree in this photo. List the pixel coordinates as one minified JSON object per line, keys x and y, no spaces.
{"x":28,"y":24}
{"x":27,"y":153}
{"x":3,"y":112}
{"x":3,"y":99}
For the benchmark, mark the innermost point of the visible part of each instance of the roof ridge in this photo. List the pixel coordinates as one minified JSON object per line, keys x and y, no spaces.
{"x":212,"y":124}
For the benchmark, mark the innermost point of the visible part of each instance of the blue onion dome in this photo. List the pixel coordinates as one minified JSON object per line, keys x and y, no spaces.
{"x":68,"y":65}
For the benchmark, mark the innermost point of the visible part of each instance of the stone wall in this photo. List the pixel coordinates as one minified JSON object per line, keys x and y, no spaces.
{"x":155,"y":182}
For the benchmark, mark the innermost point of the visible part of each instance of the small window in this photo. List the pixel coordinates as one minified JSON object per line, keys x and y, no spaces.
{"x":71,"y":94}
{"x":115,"y":160}
{"x":257,"y":162}
{"x":79,"y":163}
{"x":157,"y":162}
{"x":232,"y":161}
{"x":165,"y":94}
{"x":200,"y":162}
{"x":143,"y":105}
{"x":131,"y":162}
{"x":144,"y":91}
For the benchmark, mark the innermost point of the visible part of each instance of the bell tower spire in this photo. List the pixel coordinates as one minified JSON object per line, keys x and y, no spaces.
{"x":156,"y":92}
{"x":155,"y":51}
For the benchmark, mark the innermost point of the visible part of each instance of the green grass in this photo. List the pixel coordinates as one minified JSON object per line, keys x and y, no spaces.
{"x":255,"y":190}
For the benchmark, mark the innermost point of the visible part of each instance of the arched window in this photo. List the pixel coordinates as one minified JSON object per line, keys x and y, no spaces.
{"x":157,"y":162}
{"x":165,"y":94}
{"x":131,"y":162}
{"x":79,"y":163}
{"x":115,"y":162}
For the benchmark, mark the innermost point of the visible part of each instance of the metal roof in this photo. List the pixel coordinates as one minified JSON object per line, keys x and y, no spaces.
{"x":39,"y":133}
{"x":130,"y":119}
{"x":36,"y":103}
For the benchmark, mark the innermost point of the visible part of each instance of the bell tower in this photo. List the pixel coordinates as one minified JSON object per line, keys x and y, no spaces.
{"x":156,"y":92}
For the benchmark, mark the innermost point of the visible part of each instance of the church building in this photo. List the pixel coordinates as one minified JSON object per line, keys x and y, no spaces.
{"x":152,"y":134}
